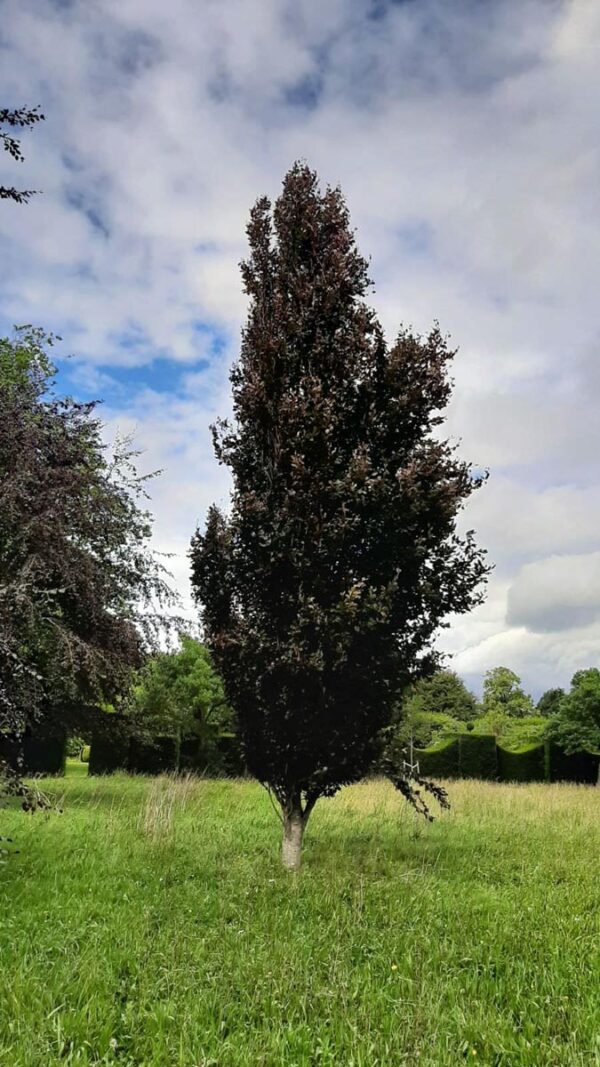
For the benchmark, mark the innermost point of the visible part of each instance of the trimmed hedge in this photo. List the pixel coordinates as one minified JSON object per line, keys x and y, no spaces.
{"x":578,"y":767}
{"x":230,"y":756}
{"x":109,"y":750}
{"x":441,"y":761}
{"x":225,"y":760}
{"x":477,"y":756}
{"x":115,"y":750}
{"x":45,"y":752}
{"x":153,"y":757}
{"x":525,"y":765}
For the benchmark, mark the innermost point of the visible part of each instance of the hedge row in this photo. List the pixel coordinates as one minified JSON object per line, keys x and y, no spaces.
{"x":44,"y":752}
{"x":479,"y":756}
{"x":108,"y":752}
{"x":526,"y":765}
{"x":439,"y":761}
{"x":578,"y":767}
{"x":118,"y":751}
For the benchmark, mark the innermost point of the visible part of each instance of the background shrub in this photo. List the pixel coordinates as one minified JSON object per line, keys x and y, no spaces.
{"x":231,"y":759}
{"x":223,"y":758}
{"x":190,"y":755}
{"x":74,"y":746}
{"x":156,"y":756}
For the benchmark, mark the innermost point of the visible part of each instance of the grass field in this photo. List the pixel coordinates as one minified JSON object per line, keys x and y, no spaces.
{"x":150,"y":924}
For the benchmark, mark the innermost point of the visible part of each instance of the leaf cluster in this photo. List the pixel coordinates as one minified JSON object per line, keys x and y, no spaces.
{"x":22,"y":118}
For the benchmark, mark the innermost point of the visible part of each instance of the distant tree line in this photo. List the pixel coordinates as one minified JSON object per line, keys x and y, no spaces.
{"x":441,"y":706}
{"x":174,"y":715}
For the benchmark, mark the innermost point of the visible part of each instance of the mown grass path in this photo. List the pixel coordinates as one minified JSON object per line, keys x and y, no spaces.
{"x":150,"y":925}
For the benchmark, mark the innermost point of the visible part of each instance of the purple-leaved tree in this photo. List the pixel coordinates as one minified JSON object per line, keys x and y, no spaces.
{"x":322,"y":589}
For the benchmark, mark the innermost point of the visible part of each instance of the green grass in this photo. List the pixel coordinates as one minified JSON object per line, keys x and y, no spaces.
{"x":150,"y":924}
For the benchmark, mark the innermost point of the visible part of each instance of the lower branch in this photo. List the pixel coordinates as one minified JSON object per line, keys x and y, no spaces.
{"x":411,"y":787}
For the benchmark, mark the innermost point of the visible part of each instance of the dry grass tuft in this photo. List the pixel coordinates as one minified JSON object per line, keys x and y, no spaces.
{"x":164,"y":796}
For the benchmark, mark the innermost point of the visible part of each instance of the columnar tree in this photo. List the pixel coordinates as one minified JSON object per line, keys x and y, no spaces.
{"x":323,"y":588}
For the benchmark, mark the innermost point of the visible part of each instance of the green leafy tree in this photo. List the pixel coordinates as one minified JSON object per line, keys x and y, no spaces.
{"x":75,"y":746}
{"x":81,"y":594}
{"x":419,"y":729}
{"x":503,"y":695}
{"x":180,"y":693}
{"x":322,"y":590}
{"x":443,"y":693}
{"x":549,"y":702}
{"x":577,"y":725}
{"x":431,"y":709}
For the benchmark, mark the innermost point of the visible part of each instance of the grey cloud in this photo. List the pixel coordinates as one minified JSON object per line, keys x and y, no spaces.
{"x":556,"y":594}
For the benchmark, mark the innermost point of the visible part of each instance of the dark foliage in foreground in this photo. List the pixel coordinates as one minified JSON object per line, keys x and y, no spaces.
{"x":413,"y":785}
{"x":81,"y":595}
{"x":18,"y":118}
{"x":322,"y":590}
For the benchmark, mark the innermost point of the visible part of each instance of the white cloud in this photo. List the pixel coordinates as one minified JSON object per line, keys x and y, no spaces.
{"x":465,"y":138}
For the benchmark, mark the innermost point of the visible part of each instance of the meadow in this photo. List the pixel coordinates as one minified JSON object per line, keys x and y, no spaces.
{"x":150,"y":925}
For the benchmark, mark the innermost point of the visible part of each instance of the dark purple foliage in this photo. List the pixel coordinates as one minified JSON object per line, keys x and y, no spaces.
{"x":322,"y":589}
{"x":80,"y":591}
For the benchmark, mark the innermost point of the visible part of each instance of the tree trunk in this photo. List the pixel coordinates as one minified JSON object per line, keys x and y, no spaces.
{"x":293,"y":832}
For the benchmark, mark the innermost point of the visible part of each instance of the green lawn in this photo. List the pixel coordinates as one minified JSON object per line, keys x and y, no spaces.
{"x":150,"y":924}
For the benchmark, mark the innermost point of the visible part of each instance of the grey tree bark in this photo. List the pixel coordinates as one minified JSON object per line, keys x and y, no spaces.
{"x":293,"y":832}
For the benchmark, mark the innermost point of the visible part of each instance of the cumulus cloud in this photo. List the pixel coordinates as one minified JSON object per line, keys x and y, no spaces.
{"x":465,"y":138}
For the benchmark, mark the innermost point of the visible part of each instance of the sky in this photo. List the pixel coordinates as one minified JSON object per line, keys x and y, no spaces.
{"x":465,"y":138}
